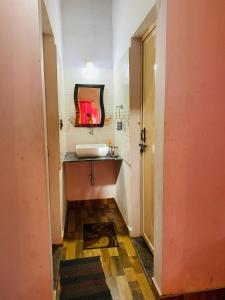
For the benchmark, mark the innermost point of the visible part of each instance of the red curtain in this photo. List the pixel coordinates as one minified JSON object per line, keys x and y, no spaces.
{"x":88,"y":114}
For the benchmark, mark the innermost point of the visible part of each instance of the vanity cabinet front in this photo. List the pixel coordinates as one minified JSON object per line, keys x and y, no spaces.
{"x":86,"y":180}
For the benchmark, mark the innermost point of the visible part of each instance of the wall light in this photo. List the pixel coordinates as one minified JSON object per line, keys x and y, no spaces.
{"x":90,"y":71}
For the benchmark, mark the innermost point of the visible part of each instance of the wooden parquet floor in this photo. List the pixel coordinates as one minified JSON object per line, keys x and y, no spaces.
{"x":124,"y":274}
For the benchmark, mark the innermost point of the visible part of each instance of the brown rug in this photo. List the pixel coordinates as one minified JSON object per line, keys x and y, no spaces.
{"x":83,"y":279}
{"x":99,"y":235}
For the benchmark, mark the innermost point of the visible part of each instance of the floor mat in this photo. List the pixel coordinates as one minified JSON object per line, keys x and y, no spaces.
{"x":99,"y":235}
{"x":144,"y":255}
{"x":83,"y":279}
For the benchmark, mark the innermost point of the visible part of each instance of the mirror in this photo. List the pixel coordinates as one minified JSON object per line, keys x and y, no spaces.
{"x":89,"y":105}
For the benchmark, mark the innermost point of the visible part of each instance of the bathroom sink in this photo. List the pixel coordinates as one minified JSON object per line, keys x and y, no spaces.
{"x":92,"y":150}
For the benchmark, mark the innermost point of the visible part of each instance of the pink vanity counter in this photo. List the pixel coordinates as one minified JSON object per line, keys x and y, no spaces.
{"x":89,"y":178}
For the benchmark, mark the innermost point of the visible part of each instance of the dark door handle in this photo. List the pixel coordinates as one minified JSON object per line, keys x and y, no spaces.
{"x":143,"y":135}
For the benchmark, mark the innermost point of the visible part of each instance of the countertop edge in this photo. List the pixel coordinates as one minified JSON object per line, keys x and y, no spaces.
{"x":74,"y":158}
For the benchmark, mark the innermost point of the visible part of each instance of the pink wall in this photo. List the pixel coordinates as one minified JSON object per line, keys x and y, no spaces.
{"x":24,"y":234}
{"x":194,"y":169}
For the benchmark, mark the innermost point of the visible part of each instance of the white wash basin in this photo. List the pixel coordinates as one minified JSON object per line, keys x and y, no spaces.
{"x":92,"y":150}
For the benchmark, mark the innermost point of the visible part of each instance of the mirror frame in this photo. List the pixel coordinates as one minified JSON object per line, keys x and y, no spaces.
{"x":77,"y":117}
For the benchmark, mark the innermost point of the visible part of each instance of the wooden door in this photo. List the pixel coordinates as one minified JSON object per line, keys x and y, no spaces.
{"x":148,"y":81}
{"x":52,"y":124}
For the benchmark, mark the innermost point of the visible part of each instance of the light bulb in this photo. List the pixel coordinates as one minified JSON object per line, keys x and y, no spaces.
{"x":90,"y":71}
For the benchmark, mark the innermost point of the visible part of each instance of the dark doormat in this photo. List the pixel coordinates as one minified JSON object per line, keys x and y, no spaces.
{"x":144,"y":255}
{"x":83,"y":279}
{"x":99,"y":235}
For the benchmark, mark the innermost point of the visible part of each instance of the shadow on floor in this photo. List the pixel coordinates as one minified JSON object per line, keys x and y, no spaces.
{"x":56,"y":257}
{"x":144,"y":255}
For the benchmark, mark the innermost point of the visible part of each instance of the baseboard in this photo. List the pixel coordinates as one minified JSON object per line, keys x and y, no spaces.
{"x":54,"y":295}
{"x":148,"y":243}
{"x":218,"y":294}
{"x":156,"y":289}
{"x":128,"y":228}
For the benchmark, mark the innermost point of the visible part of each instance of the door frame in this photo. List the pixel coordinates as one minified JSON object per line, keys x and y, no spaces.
{"x":51,"y":122}
{"x":151,"y":30}
{"x":157,"y":15}
{"x":135,"y":100}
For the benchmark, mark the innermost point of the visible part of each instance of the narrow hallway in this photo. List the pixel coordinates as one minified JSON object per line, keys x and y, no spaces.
{"x":112,"y":150}
{"x":124,"y":274}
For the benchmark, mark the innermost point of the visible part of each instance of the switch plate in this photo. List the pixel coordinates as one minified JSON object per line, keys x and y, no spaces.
{"x":119,"y":126}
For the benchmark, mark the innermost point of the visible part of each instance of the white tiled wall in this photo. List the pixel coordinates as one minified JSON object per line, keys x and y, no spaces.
{"x":121,"y":96}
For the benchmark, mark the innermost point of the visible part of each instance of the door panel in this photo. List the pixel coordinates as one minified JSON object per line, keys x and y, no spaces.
{"x":52,"y":124}
{"x":148,"y":80}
